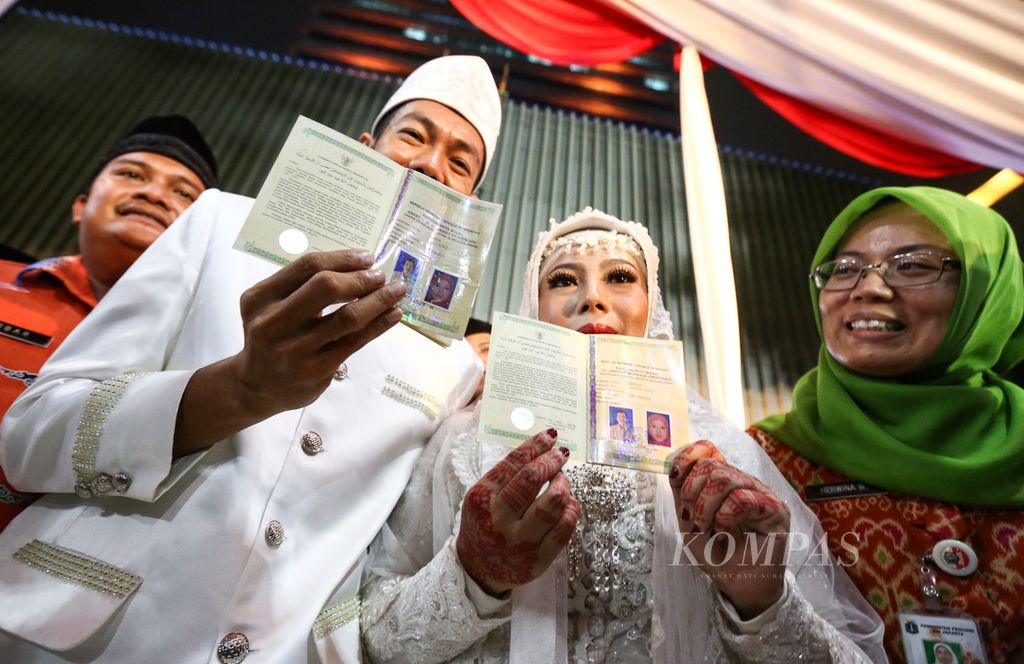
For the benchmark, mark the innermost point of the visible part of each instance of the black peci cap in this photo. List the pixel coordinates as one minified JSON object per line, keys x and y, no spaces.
{"x":477,"y":326}
{"x":173,"y":136}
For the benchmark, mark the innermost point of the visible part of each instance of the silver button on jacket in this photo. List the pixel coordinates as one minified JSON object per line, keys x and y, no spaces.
{"x":233,"y":648}
{"x":274,"y":533}
{"x":312,"y":443}
{"x":122,"y":481}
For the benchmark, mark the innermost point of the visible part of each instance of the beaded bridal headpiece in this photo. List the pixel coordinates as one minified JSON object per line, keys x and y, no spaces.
{"x":589,"y":240}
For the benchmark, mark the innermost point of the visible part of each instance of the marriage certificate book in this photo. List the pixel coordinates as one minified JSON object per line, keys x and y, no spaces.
{"x":614,"y":399}
{"x":327,"y":191}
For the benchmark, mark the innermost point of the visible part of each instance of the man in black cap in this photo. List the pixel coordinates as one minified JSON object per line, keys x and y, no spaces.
{"x":145,"y":181}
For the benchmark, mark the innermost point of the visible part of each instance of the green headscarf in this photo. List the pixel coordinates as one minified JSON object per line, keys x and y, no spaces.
{"x":954,"y":430}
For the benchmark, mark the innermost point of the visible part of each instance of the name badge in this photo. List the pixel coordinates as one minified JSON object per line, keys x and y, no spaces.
{"x":838,"y":490}
{"x":938,"y":639}
{"x":23,"y":334}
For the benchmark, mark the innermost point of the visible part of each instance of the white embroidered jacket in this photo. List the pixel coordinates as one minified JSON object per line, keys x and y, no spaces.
{"x":168,"y":557}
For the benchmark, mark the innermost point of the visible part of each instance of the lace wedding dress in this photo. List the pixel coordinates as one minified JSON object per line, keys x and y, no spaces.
{"x":420,"y":606}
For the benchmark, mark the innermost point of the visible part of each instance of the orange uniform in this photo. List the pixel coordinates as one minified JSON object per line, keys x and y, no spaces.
{"x":39,"y":306}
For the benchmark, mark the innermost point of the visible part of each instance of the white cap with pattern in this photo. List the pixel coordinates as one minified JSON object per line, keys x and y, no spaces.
{"x":464,"y":84}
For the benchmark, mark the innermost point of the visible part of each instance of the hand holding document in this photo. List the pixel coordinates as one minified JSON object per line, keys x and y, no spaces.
{"x":327,"y":191}
{"x":614,"y":399}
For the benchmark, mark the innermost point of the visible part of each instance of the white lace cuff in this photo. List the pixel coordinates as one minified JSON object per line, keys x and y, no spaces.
{"x":758,"y":622}
{"x":485,"y":603}
{"x":796,"y":633}
{"x":428,"y":617}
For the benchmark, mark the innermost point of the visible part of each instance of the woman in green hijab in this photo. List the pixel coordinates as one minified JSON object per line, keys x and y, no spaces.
{"x":904,"y":439}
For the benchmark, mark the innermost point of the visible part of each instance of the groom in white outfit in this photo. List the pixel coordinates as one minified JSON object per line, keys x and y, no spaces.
{"x":219,"y":477}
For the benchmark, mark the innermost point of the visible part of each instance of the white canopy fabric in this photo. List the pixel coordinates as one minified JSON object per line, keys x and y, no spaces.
{"x":948,"y":74}
{"x":709,"y":243}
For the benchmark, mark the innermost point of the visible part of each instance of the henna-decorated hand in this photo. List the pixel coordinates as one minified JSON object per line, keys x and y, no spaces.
{"x":715,"y":502}
{"x":508,"y":535}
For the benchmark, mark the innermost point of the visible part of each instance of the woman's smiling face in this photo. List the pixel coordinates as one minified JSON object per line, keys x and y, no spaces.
{"x":601,"y":291}
{"x":878,"y":330}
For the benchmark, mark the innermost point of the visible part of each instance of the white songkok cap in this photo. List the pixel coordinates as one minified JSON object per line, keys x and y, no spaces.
{"x":464,"y":84}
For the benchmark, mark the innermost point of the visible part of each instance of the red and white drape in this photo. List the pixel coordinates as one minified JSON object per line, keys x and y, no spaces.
{"x":920,"y":87}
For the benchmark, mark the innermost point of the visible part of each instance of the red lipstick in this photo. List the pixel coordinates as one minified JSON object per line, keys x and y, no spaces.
{"x":597,"y":328}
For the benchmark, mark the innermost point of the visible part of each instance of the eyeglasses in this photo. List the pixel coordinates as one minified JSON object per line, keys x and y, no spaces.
{"x":899,"y":271}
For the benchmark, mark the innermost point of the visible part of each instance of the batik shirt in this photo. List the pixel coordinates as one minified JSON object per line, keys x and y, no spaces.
{"x":890,"y":533}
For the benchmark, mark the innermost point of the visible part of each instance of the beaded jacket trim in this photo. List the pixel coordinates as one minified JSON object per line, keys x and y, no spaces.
{"x":78,"y":569}
{"x":337,"y":615}
{"x":407,"y":395}
{"x":98,"y":407}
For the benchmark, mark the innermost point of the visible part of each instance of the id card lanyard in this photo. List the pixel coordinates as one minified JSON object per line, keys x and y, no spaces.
{"x":939,"y":634}
{"x":930,"y":596}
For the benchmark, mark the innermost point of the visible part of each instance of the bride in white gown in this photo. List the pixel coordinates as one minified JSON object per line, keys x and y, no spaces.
{"x":623,"y":590}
